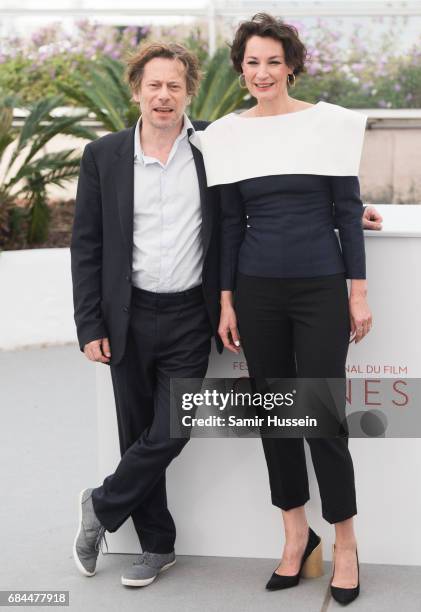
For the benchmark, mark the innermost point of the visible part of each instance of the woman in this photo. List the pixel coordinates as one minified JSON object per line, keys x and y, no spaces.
{"x":288,"y":172}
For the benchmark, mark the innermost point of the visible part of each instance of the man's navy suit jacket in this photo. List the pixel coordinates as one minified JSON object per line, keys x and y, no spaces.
{"x":102,"y":241}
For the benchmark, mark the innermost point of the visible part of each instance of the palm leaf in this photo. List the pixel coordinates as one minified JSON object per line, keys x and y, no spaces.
{"x":6,"y":132}
{"x":220,"y":92}
{"x":102,"y":93}
{"x":38,"y":112}
{"x":60,"y":175}
{"x":46,"y":163}
{"x":57,"y":125}
{"x":115,"y":70}
{"x":79,"y":131}
{"x":233,"y":98}
{"x":35,"y":173}
{"x":39,"y":217}
{"x":129,"y":109}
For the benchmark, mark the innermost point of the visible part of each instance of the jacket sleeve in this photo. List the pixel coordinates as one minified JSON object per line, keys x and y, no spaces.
{"x":348,"y":210}
{"x":233,"y":226}
{"x":86,"y":253}
{"x":336,"y":225}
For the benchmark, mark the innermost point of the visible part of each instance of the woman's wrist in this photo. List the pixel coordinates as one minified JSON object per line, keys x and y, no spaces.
{"x":227,"y":299}
{"x":358,"y":289}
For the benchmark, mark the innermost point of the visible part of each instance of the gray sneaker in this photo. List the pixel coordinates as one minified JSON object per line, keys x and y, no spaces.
{"x":89,"y":535}
{"x":146,"y":569}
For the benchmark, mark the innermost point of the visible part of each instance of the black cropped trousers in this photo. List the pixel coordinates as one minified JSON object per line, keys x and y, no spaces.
{"x":299,"y":327}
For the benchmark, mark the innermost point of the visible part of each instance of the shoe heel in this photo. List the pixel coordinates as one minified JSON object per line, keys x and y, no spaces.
{"x":313,"y":566}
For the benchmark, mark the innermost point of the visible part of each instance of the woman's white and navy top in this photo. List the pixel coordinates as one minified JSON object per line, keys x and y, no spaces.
{"x":286,"y":182}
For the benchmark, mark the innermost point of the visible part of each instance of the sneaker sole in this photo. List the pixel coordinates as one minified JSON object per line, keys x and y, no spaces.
{"x":78,"y":562}
{"x":140,"y":583}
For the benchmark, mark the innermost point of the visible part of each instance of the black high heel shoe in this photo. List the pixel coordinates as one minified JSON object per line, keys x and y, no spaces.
{"x":344,"y":596}
{"x":311,"y":565}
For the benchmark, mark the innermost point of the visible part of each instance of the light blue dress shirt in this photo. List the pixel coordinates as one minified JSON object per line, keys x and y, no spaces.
{"x":167,"y":241}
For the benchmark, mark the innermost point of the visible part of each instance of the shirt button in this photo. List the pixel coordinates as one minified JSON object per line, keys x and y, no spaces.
{"x":125,"y":308}
{"x":127,"y":277}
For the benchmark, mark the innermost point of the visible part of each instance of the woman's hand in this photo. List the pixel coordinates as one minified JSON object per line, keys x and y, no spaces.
{"x":359,"y":311}
{"x":228,"y":324}
{"x":372,"y":219}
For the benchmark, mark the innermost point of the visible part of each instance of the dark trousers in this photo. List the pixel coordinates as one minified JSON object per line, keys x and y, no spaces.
{"x":169,"y":337}
{"x":308,"y":318}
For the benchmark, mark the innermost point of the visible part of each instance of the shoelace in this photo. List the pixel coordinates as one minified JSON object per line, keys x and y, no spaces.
{"x":101,"y":537}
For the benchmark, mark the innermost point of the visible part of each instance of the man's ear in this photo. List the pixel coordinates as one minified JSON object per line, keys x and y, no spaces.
{"x":135,"y":96}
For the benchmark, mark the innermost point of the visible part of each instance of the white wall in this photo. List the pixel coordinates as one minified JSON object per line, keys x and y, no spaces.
{"x":218,"y":488}
{"x":36,"y":305}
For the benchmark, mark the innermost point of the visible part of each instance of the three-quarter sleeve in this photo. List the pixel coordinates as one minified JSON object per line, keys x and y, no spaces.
{"x":233,"y":225}
{"x":348,"y":210}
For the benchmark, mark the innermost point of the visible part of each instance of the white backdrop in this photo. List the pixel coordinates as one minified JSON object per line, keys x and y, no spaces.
{"x":218,"y":488}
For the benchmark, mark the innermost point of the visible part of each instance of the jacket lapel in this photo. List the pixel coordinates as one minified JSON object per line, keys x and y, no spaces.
{"x":204,"y":198}
{"x":124,"y":182}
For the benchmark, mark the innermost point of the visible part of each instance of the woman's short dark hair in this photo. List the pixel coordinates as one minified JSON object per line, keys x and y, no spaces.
{"x":267,"y":26}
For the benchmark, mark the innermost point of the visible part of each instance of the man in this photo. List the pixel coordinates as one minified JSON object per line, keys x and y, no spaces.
{"x":145,"y":267}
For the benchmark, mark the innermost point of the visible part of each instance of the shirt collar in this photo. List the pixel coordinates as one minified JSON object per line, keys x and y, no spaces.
{"x":187,"y":130}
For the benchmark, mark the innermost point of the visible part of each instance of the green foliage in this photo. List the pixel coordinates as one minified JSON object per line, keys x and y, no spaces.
{"x":86,"y":72}
{"x":197,"y":45}
{"x":220,"y":92}
{"x":33,"y":81}
{"x":33,"y":66}
{"x":104,"y":93}
{"x":6,"y":130}
{"x":27,"y":170}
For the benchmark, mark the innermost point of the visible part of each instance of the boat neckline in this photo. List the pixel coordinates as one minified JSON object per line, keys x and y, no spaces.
{"x":305,"y":110}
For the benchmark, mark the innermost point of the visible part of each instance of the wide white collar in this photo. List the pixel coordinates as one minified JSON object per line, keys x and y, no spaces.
{"x":325,"y":139}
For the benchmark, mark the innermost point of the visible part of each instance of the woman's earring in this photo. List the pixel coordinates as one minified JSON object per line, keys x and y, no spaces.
{"x":242,"y":82}
{"x":289,"y":82}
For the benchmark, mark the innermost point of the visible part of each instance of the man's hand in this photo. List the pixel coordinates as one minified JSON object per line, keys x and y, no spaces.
{"x":98,"y":350}
{"x":372,"y":219}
